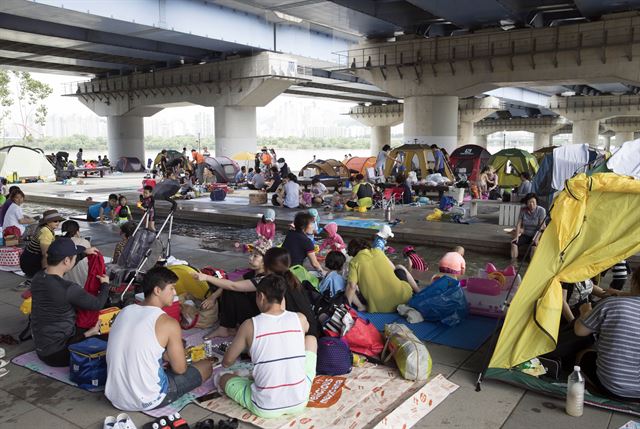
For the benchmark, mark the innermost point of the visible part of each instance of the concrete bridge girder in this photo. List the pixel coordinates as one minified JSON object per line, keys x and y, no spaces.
{"x":235,"y":88}
{"x":380,"y":119}
{"x":542,"y":128}
{"x":471,"y":111}
{"x":623,"y":127}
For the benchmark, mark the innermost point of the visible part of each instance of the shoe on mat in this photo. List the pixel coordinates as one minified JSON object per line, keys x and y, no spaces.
{"x":109,"y":422}
{"x":3,"y":372}
{"x":206,"y":424}
{"x":2,"y":353}
{"x":124,"y":422}
{"x":3,"y":363}
{"x":228,"y":424}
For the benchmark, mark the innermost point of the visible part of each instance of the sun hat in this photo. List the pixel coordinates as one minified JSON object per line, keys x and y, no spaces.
{"x":269,"y":214}
{"x":51,"y":216}
{"x":385,"y":231}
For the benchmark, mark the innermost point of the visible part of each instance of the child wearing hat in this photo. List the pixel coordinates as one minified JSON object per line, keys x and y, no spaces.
{"x":266,"y":228}
{"x":416,"y":262}
{"x":380,"y":240}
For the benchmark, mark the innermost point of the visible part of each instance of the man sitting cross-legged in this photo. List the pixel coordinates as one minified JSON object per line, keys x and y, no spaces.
{"x":284,"y":358}
{"x":141,"y":337}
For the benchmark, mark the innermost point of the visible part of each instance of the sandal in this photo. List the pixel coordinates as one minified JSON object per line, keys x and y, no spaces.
{"x":3,"y":372}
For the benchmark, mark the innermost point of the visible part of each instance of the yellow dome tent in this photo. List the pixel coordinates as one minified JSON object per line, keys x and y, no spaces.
{"x":418,"y":158}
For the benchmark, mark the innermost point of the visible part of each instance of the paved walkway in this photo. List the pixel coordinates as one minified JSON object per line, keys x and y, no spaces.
{"x":30,"y":400}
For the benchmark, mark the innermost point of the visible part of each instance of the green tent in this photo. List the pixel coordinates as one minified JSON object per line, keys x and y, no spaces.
{"x":509,"y":163}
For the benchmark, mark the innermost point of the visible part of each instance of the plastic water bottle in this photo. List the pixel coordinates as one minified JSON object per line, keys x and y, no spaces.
{"x":575,"y":393}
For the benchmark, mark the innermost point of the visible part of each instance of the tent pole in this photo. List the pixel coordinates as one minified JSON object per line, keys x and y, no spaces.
{"x":494,"y":337}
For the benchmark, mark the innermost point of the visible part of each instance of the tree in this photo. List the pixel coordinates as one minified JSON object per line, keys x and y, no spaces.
{"x":5,"y":98}
{"x":31,"y":97}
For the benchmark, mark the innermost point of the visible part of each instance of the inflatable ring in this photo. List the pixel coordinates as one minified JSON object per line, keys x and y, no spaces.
{"x":186,"y":283}
{"x":499,"y":277}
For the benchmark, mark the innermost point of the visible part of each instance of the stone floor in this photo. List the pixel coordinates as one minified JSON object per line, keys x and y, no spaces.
{"x":30,"y":400}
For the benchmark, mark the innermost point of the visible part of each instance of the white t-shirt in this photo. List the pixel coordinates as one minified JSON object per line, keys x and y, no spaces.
{"x":135,"y":379}
{"x":13,"y":216}
{"x":318,"y":189}
{"x":381,"y":159}
{"x":292,"y":195}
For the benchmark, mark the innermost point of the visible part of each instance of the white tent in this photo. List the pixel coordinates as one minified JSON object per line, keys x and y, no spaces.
{"x":28,"y":163}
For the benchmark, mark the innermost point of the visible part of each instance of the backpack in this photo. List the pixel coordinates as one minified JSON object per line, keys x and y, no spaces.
{"x":446,"y":202}
{"x":334,"y":357}
{"x":218,"y":195}
{"x":88,"y":363}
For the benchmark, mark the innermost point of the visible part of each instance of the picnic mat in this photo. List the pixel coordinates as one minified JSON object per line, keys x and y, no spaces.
{"x":369,"y":393}
{"x":469,"y":334}
{"x":356,"y":222}
{"x":31,"y":361}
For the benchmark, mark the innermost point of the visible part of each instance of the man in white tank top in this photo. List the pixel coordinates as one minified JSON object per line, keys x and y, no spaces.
{"x":141,"y":339}
{"x":284,"y":358}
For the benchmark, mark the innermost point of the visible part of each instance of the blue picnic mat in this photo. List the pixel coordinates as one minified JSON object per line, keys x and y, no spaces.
{"x":469,"y":334}
{"x":355,"y":222}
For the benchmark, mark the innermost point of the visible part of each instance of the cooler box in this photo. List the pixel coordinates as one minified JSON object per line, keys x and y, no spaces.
{"x":10,"y":256}
{"x":173,"y":310}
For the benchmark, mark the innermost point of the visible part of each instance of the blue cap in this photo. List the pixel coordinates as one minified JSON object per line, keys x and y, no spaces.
{"x":63,"y":247}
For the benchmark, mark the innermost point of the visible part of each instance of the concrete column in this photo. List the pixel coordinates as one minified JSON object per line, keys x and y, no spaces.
{"x":380,"y":136}
{"x":482,"y":140}
{"x":607,"y":141}
{"x":465,"y":133}
{"x":125,"y":137}
{"x":623,"y":136}
{"x":431,"y":120}
{"x":585,"y":131}
{"x":541,"y":140}
{"x":235,"y":128}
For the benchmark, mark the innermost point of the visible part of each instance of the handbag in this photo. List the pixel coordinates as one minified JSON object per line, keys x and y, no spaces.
{"x":363,"y":337}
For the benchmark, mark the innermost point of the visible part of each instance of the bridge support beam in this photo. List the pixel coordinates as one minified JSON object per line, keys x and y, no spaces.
{"x":540,"y":140}
{"x":585,"y":131}
{"x":125,"y":137}
{"x":235,"y":129}
{"x":471,"y":111}
{"x":380,"y":119}
{"x":431,"y":120}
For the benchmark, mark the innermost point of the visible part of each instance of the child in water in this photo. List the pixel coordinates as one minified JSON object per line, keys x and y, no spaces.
{"x":453,"y":263}
{"x":266,"y":227}
{"x":122,"y":212}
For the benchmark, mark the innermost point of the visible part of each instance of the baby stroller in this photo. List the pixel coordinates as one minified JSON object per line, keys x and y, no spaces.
{"x":143,"y":251}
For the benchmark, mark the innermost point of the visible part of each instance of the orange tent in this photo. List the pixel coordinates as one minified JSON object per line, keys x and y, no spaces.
{"x":359,"y":164}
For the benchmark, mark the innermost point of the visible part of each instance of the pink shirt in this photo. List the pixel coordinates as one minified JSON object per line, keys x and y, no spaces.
{"x":266,"y":230}
{"x":453,"y":261}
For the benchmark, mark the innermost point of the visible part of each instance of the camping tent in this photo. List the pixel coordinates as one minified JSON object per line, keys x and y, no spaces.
{"x":418,"y":158}
{"x":325,"y":168}
{"x":24,"y":163}
{"x":509,"y":163}
{"x":543,"y":180}
{"x":593,"y":226}
{"x":471,"y":158}
{"x":225,"y":169}
{"x":540,"y":153}
{"x":359,"y":164}
{"x":129,"y":164}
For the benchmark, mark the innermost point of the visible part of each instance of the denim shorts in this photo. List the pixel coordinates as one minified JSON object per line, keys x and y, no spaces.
{"x":179,"y":384}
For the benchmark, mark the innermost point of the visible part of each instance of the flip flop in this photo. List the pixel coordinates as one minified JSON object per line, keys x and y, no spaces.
{"x":3,"y":363}
{"x":3,"y":372}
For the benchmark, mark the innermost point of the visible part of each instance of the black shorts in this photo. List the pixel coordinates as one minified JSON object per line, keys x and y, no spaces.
{"x":401,"y":274}
{"x":524,"y":240}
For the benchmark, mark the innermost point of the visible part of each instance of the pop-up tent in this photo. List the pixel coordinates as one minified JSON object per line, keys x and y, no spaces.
{"x":129,"y":164}
{"x":24,"y":163}
{"x":418,"y":158}
{"x":359,"y":164}
{"x":325,"y":168}
{"x":225,"y":169}
{"x":469,"y":159}
{"x":509,"y":163}
{"x":594,"y":224}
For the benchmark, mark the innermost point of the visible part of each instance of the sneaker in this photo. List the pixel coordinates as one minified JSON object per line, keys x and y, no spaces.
{"x":124,"y":422}
{"x":109,"y":423}
{"x":25,"y":285}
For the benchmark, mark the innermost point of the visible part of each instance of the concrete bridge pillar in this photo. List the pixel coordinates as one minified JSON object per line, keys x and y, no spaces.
{"x":235,"y":129}
{"x":431,"y":120}
{"x":585,"y":131}
{"x":540,"y":140}
{"x":623,"y":127}
{"x":125,"y":137}
{"x":473,"y":110}
{"x":623,"y":136}
{"x":380,"y":118}
{"x":481,"y":140}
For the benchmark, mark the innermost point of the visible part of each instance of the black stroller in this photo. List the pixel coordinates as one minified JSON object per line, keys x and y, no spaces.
{"x":144,"y":250}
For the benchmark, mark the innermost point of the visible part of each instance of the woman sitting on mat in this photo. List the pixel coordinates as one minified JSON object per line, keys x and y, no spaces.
{"x":276,"y":260}
{"x":614,"y":369}
{"x":383,"y":285}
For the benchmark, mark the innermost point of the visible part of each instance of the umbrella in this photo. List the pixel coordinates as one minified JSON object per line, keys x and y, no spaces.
{"x":244,"y":156}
